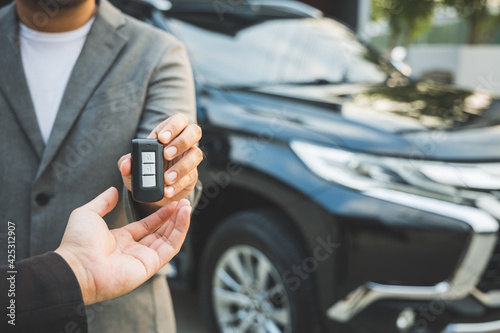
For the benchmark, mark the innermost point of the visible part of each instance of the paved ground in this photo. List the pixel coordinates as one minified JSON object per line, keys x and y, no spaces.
{"x":187,"y":311}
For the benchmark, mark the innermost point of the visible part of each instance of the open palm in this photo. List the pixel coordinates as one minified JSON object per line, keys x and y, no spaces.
{"x":110,"y":263}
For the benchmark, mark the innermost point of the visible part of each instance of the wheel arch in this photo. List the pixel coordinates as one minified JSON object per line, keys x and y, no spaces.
{"x":253,"y":189}
{"x":236,"y":199}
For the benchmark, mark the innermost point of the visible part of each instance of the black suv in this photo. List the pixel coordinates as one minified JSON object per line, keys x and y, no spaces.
{"x":338,"y":195}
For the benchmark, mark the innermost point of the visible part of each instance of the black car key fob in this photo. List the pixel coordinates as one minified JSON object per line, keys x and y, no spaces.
{"x":147,"y":170}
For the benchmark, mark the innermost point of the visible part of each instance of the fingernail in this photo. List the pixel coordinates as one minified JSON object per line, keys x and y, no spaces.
{"x":166,"y":136}
{"x":170,"y":191}
{"x":172,"y":176}
{"x":185,"y":201}
{"x":171,"y":151}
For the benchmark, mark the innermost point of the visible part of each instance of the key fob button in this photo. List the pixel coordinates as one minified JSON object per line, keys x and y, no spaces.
{"x":148,"y":169}
{"x":148,"y":157}
{"x":148,"y":181}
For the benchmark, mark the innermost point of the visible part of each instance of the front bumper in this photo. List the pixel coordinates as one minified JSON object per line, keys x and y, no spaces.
{"x":463,"y":282}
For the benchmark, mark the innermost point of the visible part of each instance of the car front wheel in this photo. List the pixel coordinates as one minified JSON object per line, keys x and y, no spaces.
{"x":243,"y":277}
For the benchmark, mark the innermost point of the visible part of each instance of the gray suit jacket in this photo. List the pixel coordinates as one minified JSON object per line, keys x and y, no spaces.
{"x":128,"y":78}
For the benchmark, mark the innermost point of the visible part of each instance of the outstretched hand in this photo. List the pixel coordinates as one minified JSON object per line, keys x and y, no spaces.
{"x":110,"y":263}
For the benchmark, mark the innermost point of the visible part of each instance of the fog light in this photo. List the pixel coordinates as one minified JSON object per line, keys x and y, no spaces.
{"x":406,"y":319}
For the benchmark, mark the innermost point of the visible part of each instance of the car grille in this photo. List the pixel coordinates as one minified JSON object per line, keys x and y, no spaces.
{"x":491,"y":276}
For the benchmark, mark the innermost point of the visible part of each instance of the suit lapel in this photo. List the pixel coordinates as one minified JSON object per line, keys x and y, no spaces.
{"x":13,"y":84}
{"x":101,"y":48}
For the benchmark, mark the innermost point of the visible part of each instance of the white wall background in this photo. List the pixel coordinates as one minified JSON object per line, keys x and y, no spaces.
{"x":473,"y":67}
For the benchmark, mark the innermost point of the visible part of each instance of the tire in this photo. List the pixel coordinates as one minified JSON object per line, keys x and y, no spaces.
{"x":234,"y":300}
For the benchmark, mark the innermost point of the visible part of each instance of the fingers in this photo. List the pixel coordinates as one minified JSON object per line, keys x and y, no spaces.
{"x":183,"y":183}
{"x":180,"y":152}
{"x":168,"y":249}
{"x":104,"y":203}
{"x":169,"y":244}
{"x":125,"y":165}
{"x":178,"y":134}
{"x":169,"y":128}
{"x":164,"y":232}
{"x":184,"y":141}
{"x":189,"y":161}
{"x":148,"y":225}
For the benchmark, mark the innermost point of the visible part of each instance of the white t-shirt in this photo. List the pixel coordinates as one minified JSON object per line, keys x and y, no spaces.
{"x":48,"y":60}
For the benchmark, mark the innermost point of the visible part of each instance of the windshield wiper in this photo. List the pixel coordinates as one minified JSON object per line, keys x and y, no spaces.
{"x":316,"y":82}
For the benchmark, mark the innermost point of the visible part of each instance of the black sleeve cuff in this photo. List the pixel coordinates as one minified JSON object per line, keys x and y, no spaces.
{"x":47,"y":297}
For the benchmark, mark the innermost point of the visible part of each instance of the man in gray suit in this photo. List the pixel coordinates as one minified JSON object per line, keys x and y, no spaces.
{"x":78,"y":81}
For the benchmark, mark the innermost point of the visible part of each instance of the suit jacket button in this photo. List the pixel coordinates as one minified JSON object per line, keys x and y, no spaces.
{"x":42,"y":199}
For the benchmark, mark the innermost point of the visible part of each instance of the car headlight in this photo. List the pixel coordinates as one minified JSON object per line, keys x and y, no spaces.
{"x":360,"y":171}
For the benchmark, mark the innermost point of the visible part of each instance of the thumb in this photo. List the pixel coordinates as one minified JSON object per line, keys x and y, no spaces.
{"x":103,"y":203}
{"x":125,"y":165}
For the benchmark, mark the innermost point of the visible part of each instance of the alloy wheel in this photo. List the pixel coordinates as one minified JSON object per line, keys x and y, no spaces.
{"x":249,"y":294}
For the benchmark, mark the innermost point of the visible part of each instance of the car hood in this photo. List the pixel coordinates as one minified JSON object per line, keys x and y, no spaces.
{"x":440,"y":121}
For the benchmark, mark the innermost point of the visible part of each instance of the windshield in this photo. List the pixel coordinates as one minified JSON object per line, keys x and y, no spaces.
{"x":281,"y":51}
